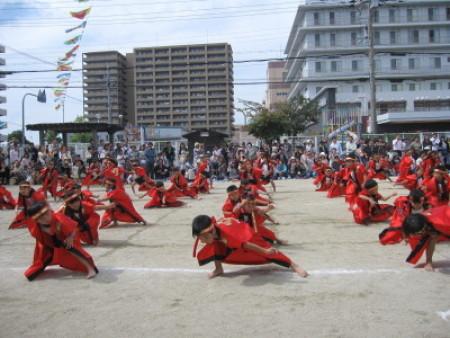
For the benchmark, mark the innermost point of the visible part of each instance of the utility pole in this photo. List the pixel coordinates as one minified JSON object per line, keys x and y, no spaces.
{"x":108,"y":92}
{"x":372,"y":82}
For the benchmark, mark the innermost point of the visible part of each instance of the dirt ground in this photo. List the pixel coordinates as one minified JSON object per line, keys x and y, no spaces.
{"x":150,"y":286}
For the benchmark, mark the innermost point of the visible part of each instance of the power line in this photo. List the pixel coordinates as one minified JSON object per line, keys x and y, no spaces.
{"x":161,"y":19}
{"x":247,"y":61}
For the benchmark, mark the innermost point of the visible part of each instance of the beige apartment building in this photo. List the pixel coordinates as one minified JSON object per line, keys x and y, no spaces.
{"x":277,"y":90}
{"x":189,"y":86}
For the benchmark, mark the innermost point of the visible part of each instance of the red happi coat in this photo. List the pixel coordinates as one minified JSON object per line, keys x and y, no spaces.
{"x":437,"y":193}
{"x":427,"y":165}
{"x":116,"y":173}
{"x":25,"y":203}
{"x":337,"y":188}
{"x":124,"y":210}
{"x":228,"y":207}
{"x":326,"y":182}
{"x":87,"y":221}
{"x":200,"y":184}
{"x":319,"y":169}
{"x":355,"y":178}
{"x":157,"y":198}
{"x":142,"y":179}
{"x":50,"y":180}
{"x":377,"y":169}
{"x":227,"y":247}
{"x":179,"y":186}
{"x":7,"y":200}
{"x":404,"y":167}
{"x":364,"y":213}
{"x":270,"y":170}
{"x":92,"y":176}
{"x":255,"y":174}
{"x":50,"y":250}
{"x":262,"y":230}
{"x":412,"y":182}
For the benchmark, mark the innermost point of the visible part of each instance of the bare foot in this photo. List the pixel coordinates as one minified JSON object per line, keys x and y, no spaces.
{"x":215,"y":273}
{"x":91,"y":273}
{"x":297,"y":269}
{"x":282,"y":241}
{"x":429,"y":267}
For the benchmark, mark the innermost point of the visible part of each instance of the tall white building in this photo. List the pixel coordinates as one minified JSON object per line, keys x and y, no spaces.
{"x":327,"y":60}
{"x":2,"y":86}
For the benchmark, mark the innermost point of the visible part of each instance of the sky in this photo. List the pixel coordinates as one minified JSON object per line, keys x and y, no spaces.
{"x":33,"y":33}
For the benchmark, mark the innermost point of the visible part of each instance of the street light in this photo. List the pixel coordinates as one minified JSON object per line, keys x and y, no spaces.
{"x":41,"y":97}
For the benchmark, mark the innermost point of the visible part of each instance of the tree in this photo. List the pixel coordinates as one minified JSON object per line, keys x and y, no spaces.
{"x":51,"y":135}
{"x":267,"y":125}
{"x":81,"y":137}
{"x":301,"y":113}
{"x":16,"y":137}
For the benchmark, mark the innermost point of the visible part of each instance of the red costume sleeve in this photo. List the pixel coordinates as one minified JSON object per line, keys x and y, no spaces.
{"x":235,"y":233}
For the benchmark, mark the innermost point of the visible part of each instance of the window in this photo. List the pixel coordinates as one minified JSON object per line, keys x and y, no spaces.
{"x":437,"y":63}
{"x":448,"y":13}
{"x":353,"y":38}
{"x":395,"y":64}
{"x":395,"y":87}
{"x":433,"y":86}
{"x":317,"y":40}
{"x":355,"y":65}
{"x":377,"y":65}
{"x":431,"y":14}
{"x":318,"y":89}
{"x":393,"y":37}
{"x":410,"y":14}
{"x":316,"y":19}
{"x":392,"y":15}
{"x":318,"y":66}
{"x":411,"y":63}
{"x":333,"y":39}
{"x":334,"y":66}
{"x":413,"y":36}
{"x":431,"y":36}
{"x":376,"y":38}
{"x":332,"y":18}
{"x":376,"y":16}
{"x":355,"y":89}
{"x":353,"y":17}
{"x":412,"y":87}
{"x":448,"y":85}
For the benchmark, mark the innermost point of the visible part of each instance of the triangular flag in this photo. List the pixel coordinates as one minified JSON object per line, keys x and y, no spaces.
{"x":64,"y":68}
{"x":66,"y":63}
{"x":58,"y":92}
{"x":82,"y":25}
{"x":71,"y":52}
{"x":81,"y":14}
{"x":74,"y":40}
{"x":63,"y":75}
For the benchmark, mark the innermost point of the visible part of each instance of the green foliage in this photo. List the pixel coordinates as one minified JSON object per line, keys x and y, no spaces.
{"x":268,"y":125}
{"x":81,"y":137}
{"x":51,"y":135}
{"x":288,"y":118}
{"x":16,"y":137}
{"x":301,"y":113}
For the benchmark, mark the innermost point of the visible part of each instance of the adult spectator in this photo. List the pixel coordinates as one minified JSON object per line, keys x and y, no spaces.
{"x":150,"y":157}
{"x":352,"y":143}
{"x":398,"y":145}
{"x":435,"y":142}
{"x":335,"y":145}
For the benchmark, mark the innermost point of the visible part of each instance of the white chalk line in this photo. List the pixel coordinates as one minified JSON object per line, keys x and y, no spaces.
{"x":323,"y":272}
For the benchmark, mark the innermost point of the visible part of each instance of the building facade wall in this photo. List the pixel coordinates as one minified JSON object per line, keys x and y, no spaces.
{"x":328,"y":48}
{"x":277,"y":91}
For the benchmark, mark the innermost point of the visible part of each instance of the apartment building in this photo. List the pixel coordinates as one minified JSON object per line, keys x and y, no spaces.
{"x":2,"y":86}
{"x":277,"y":91}
{"x":105,"y":87}
{"x":327,"y":51}
{"x":187,"y":86}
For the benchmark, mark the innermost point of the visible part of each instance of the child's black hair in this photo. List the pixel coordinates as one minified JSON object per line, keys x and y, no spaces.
{"x":200,"y":223}
{"x":416,"y":195}
{"x":232,"y":188}
{"x":414,"y":223}
{"x":370,"y":184}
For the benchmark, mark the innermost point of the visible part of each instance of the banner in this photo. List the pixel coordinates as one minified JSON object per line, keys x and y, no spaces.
{"x":74,"y":40}
{"x":81,"y":14}
{"x":80,"y":26}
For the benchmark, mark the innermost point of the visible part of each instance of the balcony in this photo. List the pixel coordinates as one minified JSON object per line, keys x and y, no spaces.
{"x":435,"y":116}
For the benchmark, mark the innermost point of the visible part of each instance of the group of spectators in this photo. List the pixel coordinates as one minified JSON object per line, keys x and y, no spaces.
{"x":289,"y":159}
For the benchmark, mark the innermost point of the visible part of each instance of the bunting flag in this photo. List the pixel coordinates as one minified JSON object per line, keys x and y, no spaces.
{"x":64,"y":64}
{"x":74,"y":40}
{"x":71,"y":52}
{"x":81,"y":14}
{"x":63,"y":68}
{"x":80,"y":26}
{"x":63,"y":75}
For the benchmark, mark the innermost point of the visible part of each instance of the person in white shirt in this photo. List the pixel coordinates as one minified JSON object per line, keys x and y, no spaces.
{"x":435,"y":142}
{"x":398,"y":145}
{"x":335,"y":145}
{"x":13,"y":154}
{"x":352,"y":143}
